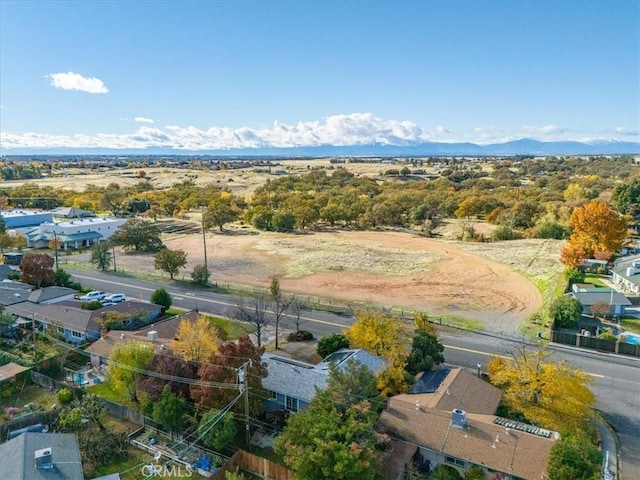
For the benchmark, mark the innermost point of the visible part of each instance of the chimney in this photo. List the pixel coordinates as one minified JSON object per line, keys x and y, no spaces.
{"x":459,"y":418}
{"x":152,"y":336}
{"x":44,"y":460}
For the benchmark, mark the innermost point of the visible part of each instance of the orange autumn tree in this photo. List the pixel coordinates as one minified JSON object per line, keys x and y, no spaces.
{"x":598,"y":231}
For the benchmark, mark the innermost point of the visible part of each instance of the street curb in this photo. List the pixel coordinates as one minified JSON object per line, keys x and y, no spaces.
{"x":594,"y":352}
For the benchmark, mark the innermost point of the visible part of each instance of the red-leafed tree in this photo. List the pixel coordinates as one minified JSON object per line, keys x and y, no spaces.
{"x":37,"y":269}
{"x":168,"y":365}
{"x":223,"y":367}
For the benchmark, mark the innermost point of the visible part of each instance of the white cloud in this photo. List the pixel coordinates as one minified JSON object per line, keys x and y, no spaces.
{"x":75,"y":81}
{"x":338,"y":130}
{"x":143,"y":120}
{"x":625,"y":131}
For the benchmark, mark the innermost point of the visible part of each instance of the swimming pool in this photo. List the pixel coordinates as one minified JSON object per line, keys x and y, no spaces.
{"x":632,"y":338}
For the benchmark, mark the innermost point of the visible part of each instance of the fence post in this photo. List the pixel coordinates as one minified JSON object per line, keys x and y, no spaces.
{"x":617,"y":347}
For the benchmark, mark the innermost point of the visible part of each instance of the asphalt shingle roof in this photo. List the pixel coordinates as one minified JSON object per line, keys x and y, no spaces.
{"x":17,"y":457}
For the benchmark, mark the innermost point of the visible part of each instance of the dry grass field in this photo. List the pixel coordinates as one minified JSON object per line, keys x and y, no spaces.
{"x":492,"y":284}
{"x":487,"y":283}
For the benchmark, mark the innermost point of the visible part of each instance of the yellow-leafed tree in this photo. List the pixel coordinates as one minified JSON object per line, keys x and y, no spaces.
{"x":551,"y":394}
{"x":196,"y":341}
{"x":597,"y":229}
{"x":379,"y":333}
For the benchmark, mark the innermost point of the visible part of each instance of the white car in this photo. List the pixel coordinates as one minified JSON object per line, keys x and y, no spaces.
{"x":93,"y":296}
{"x":115,"y":298}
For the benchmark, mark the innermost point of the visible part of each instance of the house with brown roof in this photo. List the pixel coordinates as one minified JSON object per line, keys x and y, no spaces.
{"x":159,"y":335}
{"x":455,"y":424}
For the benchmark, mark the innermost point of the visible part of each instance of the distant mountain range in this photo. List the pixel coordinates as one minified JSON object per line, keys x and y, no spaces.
{"x":525,"y":146}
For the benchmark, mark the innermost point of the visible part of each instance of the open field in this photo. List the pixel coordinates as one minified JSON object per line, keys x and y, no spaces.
{"x":496,"y":285}
{"x":486,"y":283}
{"x":241,"y":181}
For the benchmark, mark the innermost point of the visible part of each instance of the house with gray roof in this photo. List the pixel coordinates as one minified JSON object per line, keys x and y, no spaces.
{"x":78,"y":325}
{"x":606,"y":296}
{"x":626,"y":275}
{"x":72,"y":323}
{"x":293,"y":384}
{"x":48,"y":295}
{"x":38,"y":456}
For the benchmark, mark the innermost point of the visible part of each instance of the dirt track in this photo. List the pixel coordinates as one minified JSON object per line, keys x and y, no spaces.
{"x":386,"y":268}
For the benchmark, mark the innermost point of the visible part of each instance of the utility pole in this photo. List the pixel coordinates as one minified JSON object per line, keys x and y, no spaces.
{"x":113,"y":249}
{"x":243,"y":377}
{"x":204,"y":243}
{"x":33,"y":329}
{"x":55,"y":246}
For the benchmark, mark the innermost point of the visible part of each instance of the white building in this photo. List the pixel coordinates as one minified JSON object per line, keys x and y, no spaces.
{"x":24,"y":218}
{"x":80,"y":233}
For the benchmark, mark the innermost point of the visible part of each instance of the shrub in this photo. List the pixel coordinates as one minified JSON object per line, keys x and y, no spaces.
{"x":504,"y":232}
{"x":161,"y":297}
{"x":200,"y":275}
{"x":94,"y":305}
{"x":300,"y":336}
{"x":64,"y":396}
{"x":331,"y":343}
{"x":566,"y":311}
{"x":445,"y":472}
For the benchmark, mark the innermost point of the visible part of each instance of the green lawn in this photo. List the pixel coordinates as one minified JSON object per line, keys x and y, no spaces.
{"x":132,"y":464}
{"x":118,"y":395}
{"x":631,"y":324}
{"x":594,"y":280}
{"x":234,"y":329}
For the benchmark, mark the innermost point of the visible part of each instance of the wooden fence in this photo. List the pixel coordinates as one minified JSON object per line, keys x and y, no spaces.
{"x":593,"y":343}
{"x":261,"y":467}
{"x":26,"y":420}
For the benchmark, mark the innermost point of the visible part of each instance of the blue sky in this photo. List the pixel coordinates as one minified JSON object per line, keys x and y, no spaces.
{"x":207,"y":74}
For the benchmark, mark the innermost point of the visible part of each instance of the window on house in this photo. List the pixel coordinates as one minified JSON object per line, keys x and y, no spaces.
{"x":76,"y":334}
{"x":60,"y":330}
{"x":454,"y":461}
{"x":274,"y":396}
{"x":291,"y":404}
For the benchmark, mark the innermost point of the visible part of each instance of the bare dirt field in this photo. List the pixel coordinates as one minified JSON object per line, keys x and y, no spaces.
{"x":391,"y":269}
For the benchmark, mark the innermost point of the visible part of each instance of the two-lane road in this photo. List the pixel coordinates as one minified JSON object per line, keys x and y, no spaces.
{"x":616,"y":380}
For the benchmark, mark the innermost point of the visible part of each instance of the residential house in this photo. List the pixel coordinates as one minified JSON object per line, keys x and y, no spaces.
{"x":292,"y":384}
{"x":75,"y":324}
{"x":14,"y":292}
{"x":6,"y":270}
{"x":48,"y":295}
{"x":616,"y":301}
{"x":37,"y":456}
{"x":626,"y":274}
{"x":453,"y":423}
{"x":159,"y":334}
{"x":24,"y":218}
{"x":81,"y":233}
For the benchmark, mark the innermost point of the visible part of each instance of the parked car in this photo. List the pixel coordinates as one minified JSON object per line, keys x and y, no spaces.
{"x":115,"y":298}
{"x":93,"y":296}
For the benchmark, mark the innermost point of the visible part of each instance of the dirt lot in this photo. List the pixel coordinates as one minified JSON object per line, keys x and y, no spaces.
{"x":384,"y":268}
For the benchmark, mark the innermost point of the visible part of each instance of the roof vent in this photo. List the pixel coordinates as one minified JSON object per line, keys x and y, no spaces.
{"x":44,"y":458}
{"x":152,"y":336}
{"x":459,"y":418}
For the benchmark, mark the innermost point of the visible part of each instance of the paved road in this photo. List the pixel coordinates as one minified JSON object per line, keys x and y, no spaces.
{"x":616,"y":379}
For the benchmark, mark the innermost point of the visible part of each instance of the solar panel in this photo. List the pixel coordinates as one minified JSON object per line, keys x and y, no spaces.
{"x":430,"y":381}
